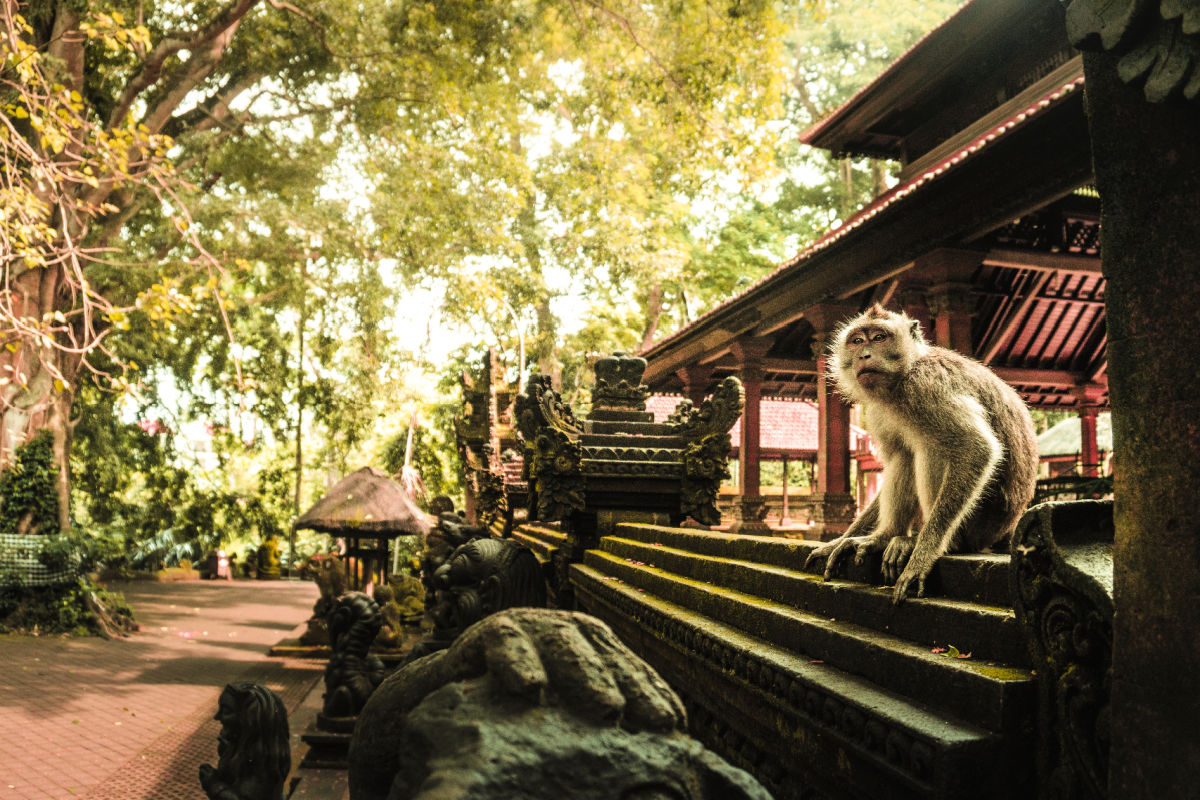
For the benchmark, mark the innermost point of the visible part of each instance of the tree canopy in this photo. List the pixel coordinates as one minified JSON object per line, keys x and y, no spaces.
{"x":224,"y":208}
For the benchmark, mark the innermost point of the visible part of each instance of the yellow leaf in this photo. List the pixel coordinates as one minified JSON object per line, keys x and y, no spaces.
{"x":59,"y":386}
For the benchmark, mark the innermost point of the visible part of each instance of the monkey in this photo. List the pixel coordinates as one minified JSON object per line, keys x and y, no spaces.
{"x":957,"y":445}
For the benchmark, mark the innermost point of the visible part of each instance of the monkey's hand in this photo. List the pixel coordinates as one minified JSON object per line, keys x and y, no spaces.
{"x":833,"y":551}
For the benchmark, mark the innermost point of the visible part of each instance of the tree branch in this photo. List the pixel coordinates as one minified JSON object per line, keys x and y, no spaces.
{"x":152,"y":66}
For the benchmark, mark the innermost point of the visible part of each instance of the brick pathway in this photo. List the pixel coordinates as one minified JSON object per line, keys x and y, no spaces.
{"x":88,"y":718}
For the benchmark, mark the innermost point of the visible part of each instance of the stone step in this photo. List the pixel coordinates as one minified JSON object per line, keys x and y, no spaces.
{"x":541,"y":540}
{"x":988,"y":632}
{"x":980,"y":578}
{"x":605,"y":428}
{"x":635,"y":440}
{"x":990,"y":695}
{"x":786,"y":709}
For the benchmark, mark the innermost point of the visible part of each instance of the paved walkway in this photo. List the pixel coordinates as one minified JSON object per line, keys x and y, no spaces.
{"x":132,"y":718}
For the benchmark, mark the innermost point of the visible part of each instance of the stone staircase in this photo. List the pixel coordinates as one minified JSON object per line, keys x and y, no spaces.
{"x":824,"y":689}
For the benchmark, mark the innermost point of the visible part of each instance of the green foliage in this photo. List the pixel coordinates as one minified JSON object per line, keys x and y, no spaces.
{"x":59,"y":609}
{"x":800,"y":474}
{"x":144,"y":509}
{"x":429,"y":458}
{"x":27,"y":494}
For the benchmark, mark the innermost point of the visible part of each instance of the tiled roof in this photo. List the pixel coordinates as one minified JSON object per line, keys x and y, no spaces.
{"x":895,"y":195}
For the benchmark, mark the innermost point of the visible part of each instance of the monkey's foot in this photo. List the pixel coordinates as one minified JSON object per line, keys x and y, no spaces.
{"x":917,"y":571}
{"x":895,"y":557}
{"x":833,"y":551}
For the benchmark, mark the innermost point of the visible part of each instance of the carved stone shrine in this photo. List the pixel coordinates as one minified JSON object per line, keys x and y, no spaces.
{"x":618,"y":465}
{"x":493,"y":458}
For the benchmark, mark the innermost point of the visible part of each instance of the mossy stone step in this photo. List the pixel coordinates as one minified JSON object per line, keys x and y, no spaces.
{"x":990,"y":633}
{"x":803,"y":710}
{"x":980,"y":578}
{"x":990,"y":695}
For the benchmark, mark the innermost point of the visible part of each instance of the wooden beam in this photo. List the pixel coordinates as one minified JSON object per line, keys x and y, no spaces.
{"x":1057,"y":378}
{"x":1041,"y":261}
{"x":1040,"y":377}
{"x":792,"y":366}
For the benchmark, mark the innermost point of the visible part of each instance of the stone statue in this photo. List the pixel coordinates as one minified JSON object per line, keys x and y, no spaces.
{"x":534,"y":703}
{"x":352,"y":673}
{"x":329,"y":572}
{"x":392,"y":633}
{"x":409,"y":596}
{"x":268,"y":559}
{"x":253,"y":749}
{"x":480,"y":578}
{"x":451,"y":532}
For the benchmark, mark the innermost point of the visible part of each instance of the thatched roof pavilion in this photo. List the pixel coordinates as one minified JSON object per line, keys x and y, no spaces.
{"x":366,"y":503}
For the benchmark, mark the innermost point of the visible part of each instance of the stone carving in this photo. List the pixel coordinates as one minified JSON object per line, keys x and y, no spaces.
{"x":401,"y":605}
{"x":268,"y":559}
{"x":329,"y":573}
{"x":490,"y":501}
{"x":553,"y":433}
{"x":391,"y":632}
{"x":480,"y":578}
{"x":253,"y":748}
{"x":534,"y":704}
{"x":619,"y":383}
{"x":706,"y":455}
{"x":452,"y":532}
{"x":352,"y":673}
{"x":1061,"y":583}
{"x":1157,"y":42}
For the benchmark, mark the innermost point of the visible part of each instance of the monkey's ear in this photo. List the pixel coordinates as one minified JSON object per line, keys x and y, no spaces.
{"x":914,"y":330}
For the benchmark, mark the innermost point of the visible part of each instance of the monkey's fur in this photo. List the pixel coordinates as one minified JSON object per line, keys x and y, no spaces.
{"x":956,"y":442}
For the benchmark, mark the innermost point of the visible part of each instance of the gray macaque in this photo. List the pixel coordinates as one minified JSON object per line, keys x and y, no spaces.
{"x":957,"y":445}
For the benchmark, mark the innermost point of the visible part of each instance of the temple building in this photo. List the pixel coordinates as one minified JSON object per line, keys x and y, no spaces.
{"x":990,"y":238}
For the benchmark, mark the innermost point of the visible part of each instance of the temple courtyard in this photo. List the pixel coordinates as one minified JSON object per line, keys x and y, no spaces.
{"x":133,"y":718}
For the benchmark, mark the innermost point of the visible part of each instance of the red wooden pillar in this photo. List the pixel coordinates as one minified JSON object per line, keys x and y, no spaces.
{"x":833,"y":504}
{"x":953,"y":307}
{"x":784,"y":517}
{"x":948,"y":272}
{"x":1089,"y":452}
{"x":749,"y":507}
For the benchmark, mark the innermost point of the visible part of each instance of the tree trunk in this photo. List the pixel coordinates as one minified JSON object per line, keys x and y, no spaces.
{"x":654,"y":303}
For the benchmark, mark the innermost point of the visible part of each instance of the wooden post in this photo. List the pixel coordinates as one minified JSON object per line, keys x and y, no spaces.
{"x":784,"y":519}
{"x":748,"y":508}
{"x":833,"y":503}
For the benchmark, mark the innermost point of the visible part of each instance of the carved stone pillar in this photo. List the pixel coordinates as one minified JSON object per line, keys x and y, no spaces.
{"x":749,"y":507}
{"x":833,"y":504}
{"x":696,"y":380}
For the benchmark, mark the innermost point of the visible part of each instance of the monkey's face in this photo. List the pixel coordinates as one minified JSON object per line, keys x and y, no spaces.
{"x":875,"y":350}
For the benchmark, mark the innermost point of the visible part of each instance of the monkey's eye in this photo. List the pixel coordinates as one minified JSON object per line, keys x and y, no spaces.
{"x":879,"y":337}
{"x":857,"y":340}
